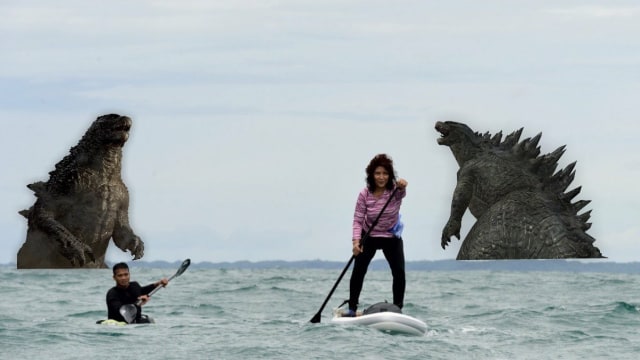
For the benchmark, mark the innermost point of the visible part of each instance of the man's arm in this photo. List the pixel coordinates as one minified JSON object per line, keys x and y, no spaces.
{"x":149,"y":288}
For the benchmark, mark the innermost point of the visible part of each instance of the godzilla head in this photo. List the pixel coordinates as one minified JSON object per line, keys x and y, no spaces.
{"x":462,"y":141}
{"x":452,"y":133}
{"x":110,"y":130}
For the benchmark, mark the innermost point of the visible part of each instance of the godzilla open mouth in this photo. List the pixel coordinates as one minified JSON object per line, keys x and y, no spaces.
{"x":124,"y":127}
{"x":443,"y":130}
{"x":123,"y":124}
{"x":115,"y":129}
{"x":120,"y":131}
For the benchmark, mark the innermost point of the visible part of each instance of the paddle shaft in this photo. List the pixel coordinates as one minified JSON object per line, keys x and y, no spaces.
{"x":157,"y":288}
{"x":183,"y":267}
{"x":316,"y":317}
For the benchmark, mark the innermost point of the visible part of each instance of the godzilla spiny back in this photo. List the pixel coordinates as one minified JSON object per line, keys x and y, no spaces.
{"x":527,"y":154}
{"x":100,"y":147}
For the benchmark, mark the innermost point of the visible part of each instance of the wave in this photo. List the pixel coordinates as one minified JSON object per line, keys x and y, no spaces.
{"x":621,"y":307}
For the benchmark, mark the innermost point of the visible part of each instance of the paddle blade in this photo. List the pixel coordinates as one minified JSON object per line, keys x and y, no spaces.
{"x":315,"y":319}
{"x":183,"y":267}
{"x":129,"y":312}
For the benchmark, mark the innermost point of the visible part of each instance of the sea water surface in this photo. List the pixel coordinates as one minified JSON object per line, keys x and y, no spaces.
{"x":264,"y":314}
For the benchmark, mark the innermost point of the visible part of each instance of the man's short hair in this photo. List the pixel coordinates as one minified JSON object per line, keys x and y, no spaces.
{"x":120,"y":265}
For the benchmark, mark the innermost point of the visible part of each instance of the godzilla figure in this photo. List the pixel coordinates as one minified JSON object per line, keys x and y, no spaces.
{"x":84,"y":204}
{"x":519,"y":201}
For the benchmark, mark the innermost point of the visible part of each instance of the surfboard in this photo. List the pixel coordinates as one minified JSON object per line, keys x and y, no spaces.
{"x":384,"y":320}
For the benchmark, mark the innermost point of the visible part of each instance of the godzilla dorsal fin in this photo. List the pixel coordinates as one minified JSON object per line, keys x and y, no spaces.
{"x":511,"y":139}
{"x":585,"y":217}
{"x":586,"y":226}
{"x":518,"y":149}
{"x":561,"y":180}
{"x":571,"y":194}
{"x":495,"y":140}
{"x":556,"y":154}
{"x":24,"y":213}
{"x":527,"y":148}
{"x":38,"y":188}
{"x":579,"y":205}
{"x":531,"y":147}
{"x":548,"y":163}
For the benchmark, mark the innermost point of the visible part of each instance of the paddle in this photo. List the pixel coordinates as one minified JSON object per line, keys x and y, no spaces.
{"x":129,"y":311}
{"x":316,"y":317}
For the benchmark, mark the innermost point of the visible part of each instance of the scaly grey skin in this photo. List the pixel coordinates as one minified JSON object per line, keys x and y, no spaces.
{"x":83,"y":205}
{"x":520,"y":204}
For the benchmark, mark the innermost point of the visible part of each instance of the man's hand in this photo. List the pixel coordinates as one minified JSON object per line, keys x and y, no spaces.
{"x":144,"y":298}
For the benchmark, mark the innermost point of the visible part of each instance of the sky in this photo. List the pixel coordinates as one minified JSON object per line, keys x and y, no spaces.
{"x":253,"y":121}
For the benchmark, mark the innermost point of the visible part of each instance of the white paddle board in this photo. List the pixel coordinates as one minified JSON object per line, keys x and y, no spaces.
{"x":385,"y":321}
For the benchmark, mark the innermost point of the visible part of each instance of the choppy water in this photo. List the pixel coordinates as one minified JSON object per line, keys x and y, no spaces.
{"x":264,"y":314}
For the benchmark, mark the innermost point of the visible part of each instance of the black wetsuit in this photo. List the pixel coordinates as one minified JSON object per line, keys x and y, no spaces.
{"x":393,"y":251}
{"x":116,"y":297}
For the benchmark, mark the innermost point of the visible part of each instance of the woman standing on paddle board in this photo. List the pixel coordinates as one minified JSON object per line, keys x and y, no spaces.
{"x":385,"y":236}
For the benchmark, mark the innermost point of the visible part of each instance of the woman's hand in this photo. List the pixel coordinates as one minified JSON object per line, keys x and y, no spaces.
{"x":357,"y":249}
{"x":401,"y":184}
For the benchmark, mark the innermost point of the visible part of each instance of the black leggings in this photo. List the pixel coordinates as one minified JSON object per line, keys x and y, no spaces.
{"x":393,"y":251}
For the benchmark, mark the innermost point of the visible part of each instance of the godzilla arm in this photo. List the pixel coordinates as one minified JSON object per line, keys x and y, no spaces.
{"x":123,"y":235}
{"x":459,"y":204}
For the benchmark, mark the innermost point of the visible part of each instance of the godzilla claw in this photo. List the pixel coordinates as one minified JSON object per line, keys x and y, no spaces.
{"x":445,"y":241}
{"x":451,"y":229}
{"x":88,"y":254}
{"x":78,"y":253}
{"x":136,"y":248}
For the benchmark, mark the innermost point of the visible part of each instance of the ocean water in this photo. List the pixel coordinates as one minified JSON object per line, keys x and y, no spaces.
{"x":264,"y":314}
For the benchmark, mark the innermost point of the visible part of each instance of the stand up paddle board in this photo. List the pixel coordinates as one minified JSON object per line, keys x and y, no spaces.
{"x":383,"y":316}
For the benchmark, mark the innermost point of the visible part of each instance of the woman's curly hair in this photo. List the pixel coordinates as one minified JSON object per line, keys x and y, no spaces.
{"x":386,"y":162}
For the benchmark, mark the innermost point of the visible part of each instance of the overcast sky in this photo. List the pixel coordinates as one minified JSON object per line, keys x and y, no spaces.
{"x":253,"y":121}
